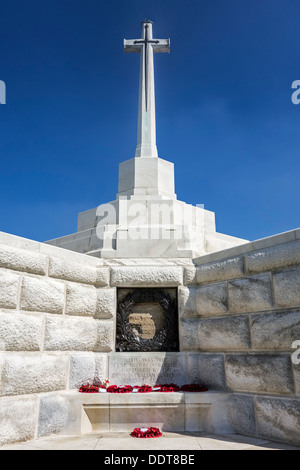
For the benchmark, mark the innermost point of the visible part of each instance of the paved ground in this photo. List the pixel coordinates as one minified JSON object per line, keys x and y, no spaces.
{"x":168,"y":441}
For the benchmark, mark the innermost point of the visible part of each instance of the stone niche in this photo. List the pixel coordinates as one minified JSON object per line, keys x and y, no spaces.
{"x":147,"y":320}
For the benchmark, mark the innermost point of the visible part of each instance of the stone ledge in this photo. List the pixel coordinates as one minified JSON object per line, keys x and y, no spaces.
{"x":146,"y":276}
{"x":274,"y":257}
{"x":70,"y":271}
{"x":179,"y":411}
{"x":22,"y":260}
{"x":215,"y":271}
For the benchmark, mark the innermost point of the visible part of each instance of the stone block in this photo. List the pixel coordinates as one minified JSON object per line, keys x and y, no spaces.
{"x":211,"y":299}
{"x":53,"y":415}
{"x":82,"y":370}
{"x":296,"y":368}
{"x":106,"y":336}
{"x":274,"y":257}
{"x":146,"y":276}
{"x":189,"y":335}
{"x":42,"y":295}
{"x":215,"y":271}
{"x":70,"y":334}
{"x":81,"y":299}
{"x":207,"y":369}
{"x":18,"y":419}
{"x":106,"y":303}
{"x":259,"y":373}
{"x":38,"y":373}
{"x":20,"y":332}
{"x":241,"y":410}
{"x":278,"y":419}
{"x":187,"y":302}
{"x":251,"y":294}
{"x":189,"y":275}
{"x":224,"y":334}
{"x":87,"y":369}
{"x":65,"y":269}
{"x":22,"y":260}
{"x":9,"y":289}
{"x":275,"y":331}
{"x":287,"y":288}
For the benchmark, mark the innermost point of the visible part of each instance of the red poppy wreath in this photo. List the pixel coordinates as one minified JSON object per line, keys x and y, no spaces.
{"x":146,"y":433}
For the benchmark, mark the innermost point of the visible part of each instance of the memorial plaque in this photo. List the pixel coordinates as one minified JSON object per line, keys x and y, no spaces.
{"x":148,"y":368}
{"x":147,"y":320}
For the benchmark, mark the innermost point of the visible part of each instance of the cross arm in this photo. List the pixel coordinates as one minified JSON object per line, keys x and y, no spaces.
{"x":130,"y":46}
{"x":163,"y":45}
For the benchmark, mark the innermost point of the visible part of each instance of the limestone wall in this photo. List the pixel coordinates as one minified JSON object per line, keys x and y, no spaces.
{"x":57,"y":323}
{"x":239,"y":315}
{"x":240,"y":309}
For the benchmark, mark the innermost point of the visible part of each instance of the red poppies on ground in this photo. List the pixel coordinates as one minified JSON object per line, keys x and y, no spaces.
{"x":148,"y":433}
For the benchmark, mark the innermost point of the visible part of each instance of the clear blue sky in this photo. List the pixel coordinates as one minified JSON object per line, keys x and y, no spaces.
{"x":223,"y":102}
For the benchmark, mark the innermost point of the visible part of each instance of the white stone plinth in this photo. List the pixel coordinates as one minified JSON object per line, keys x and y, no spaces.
{"x":146,"y":176}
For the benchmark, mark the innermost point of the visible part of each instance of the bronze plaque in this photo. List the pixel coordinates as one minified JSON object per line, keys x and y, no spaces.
{"x":147,"y":320}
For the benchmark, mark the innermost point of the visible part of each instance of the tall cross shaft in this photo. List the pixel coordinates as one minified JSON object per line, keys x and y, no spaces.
{"x":146,"y":141}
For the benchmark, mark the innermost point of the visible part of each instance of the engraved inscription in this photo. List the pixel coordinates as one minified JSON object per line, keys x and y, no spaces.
{"x":151,"y":369}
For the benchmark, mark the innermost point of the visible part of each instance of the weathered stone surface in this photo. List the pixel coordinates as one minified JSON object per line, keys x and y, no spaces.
{"x":81,"y":299}
{"x":78,"y":334}
{"x":42,"y":295}
{"x":218,"y":270}
{"x":187,"y":302}
{"x":65,"y":269}
{"x":278,"y":419}
{"x":189,"y":335}
{"x":241,"y":412}
{"x":101,"y":367}
{"x":53,"y":414}
{"x":82,"y":370}
{"x":70,"y":334}
{"x":9,"y":288}
{"x":189,"y":275}
{"x":18,"y":419}
{"x":275,"y":331}
{"x":296,"y":368}
{"x":224,"y":334}
{"x":270,"y":373}
{"x":287,"y":288}
{"x":38,"y":373}
{"x":20,"y":332}
{"x":87,"y":369}
{"x":106,"y":303}
{"x":211,"y":299}
{"x":146,"y":276}
{"x":207,"y":369}
{"x":106,"y":336}
{"x":273,"y":257}
{"x":250,"y":294}
{"x":22,"y":260}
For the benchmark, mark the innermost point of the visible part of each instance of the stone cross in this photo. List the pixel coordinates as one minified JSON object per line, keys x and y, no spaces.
{"x":146,"y":141}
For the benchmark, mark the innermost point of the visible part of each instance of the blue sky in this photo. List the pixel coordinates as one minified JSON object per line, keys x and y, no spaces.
{"x":223,"y":108}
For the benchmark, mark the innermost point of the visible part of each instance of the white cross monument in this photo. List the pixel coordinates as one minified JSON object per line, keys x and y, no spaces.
{"x":146,"y":220}
{"x":146,"y":142}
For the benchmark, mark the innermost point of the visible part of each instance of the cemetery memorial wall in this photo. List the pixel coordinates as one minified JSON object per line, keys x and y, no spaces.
{"x":239,"y":313}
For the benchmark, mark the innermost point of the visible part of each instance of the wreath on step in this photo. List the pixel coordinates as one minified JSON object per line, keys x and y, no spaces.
{"x":146,"y":432}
